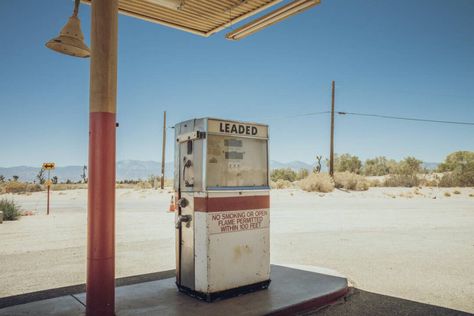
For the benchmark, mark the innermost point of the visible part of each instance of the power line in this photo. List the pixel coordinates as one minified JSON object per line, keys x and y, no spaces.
{"x":294,"y":116}
{"x":405,"y":118}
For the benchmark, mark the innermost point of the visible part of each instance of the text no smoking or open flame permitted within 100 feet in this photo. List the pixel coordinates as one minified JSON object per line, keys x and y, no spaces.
{"x":235,"y":221}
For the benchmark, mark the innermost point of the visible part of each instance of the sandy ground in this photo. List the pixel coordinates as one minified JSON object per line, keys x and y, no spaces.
{"x":417,"y":245}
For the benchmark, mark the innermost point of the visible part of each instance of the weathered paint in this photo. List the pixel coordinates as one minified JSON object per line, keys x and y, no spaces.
{"x":100,"y":287}
{"x":226,"y":260}
{"x":101,"y":215}
{"x":227,"y":244}
{"x":231,"y":203}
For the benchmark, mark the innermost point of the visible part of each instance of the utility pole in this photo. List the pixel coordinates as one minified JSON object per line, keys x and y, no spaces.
{"x":163,"y":152}
{"x":331,"y":155}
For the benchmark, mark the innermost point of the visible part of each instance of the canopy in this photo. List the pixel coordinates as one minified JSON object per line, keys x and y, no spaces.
{"x":201,"y":17}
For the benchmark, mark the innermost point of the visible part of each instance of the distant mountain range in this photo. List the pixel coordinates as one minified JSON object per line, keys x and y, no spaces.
{"x":136,"y":169}
{"x":126,"y":170}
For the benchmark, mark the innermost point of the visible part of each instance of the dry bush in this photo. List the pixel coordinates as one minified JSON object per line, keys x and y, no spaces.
{"x":10,"y":210}
{"x":350,"y":181}
{"x":143,"y":185}
{"x":409,"y":166}
{"x":302,"y":173}
{"x":459,"y":170}
{"x":347,"y":162}
{"x":402,"y":180}
{"x":374,"y":182}
{"x":458,"y":178}
{"x":281,"y":184}
{"x":33,"y":187}
{"x":125,"y":185}
{"x":317,"y":182}
{"x":432,"y":183}
{"x":456,"y":192}
{"x":471,"y":195}
{"x":447,"y":194}
{"x":283,"y":174}
{"x":379,"y":166}
{"x":68,"y":186}
{"x":15,"y":187}
{"x":459,"y":160}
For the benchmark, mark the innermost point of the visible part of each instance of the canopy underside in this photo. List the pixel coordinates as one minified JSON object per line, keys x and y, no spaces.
{"x":201,"y":17}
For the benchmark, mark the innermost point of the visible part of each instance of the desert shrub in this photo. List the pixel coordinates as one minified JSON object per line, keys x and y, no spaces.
{"x":68,"y":186}
{"x":447,"y":194}
{"x":40,"y":176}
{"x":15,"y":187}
{"x":317,"y":182}
{"x":34,"y":188}
{"x":458,"y":178}
{"x":456,"y":160}
{"x":283,"y":174}
{"x":459,"y":169}
{"x":456,"y":192}
{"x":431,"y":180}
{"x":350,"y":181}
{"x":402,"y":180}
{"x":347,"y":162}
{"x":155,"y":181}
{"x":120,"y":185}
{"x":405,"y":174}
{"x":409,"y":166}
{"x":379,"y":166}
{"x":11,"y":211}
{"x":429,"y":183}
{"x":281,"y":184}
{"x":302,"y":173}
{"x":143,"y":185}
{"x":375,"y":182}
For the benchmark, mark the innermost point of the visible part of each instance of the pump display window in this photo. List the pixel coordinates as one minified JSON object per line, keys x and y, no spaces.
{"x":236,"y":162}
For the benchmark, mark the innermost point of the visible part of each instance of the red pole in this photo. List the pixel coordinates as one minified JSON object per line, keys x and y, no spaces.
{"x":49,"y":186}
{"x":100,"y":299}
{"x":47,"y":208}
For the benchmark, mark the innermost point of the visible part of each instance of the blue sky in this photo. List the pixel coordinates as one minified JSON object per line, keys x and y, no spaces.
{"x":408,"y":58}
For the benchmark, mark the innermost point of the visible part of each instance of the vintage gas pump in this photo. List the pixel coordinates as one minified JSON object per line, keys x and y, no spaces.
{"x":223,"y":215}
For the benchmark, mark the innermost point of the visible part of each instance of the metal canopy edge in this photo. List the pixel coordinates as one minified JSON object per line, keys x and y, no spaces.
{"x":200,"y":17}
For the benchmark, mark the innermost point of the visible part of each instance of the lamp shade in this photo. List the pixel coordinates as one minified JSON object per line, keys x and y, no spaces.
{"x":70,"y":40}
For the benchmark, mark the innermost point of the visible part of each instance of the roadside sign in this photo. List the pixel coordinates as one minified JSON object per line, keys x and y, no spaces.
{"x":49,"y":165}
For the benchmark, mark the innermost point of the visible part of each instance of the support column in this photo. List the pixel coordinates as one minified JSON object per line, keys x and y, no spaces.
{"x":100,"y":287}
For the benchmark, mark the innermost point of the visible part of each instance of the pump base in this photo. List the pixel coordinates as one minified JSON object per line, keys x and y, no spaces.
{"x":211,"y":297}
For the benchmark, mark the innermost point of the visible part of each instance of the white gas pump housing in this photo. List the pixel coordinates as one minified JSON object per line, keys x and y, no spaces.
{"x":221,"y":184}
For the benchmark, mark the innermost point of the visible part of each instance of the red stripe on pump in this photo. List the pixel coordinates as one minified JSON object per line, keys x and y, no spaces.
{"x":234,"y":203}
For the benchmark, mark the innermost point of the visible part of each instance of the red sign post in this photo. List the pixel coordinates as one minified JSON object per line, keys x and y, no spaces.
{"x":48,"y":166}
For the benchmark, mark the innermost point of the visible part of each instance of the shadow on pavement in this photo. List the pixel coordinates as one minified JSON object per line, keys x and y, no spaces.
{"x":361,"y":302}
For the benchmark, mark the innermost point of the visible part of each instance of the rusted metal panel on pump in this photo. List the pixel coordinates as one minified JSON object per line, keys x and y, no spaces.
{"x":238,"y":236}
{"x":187,"y":244}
